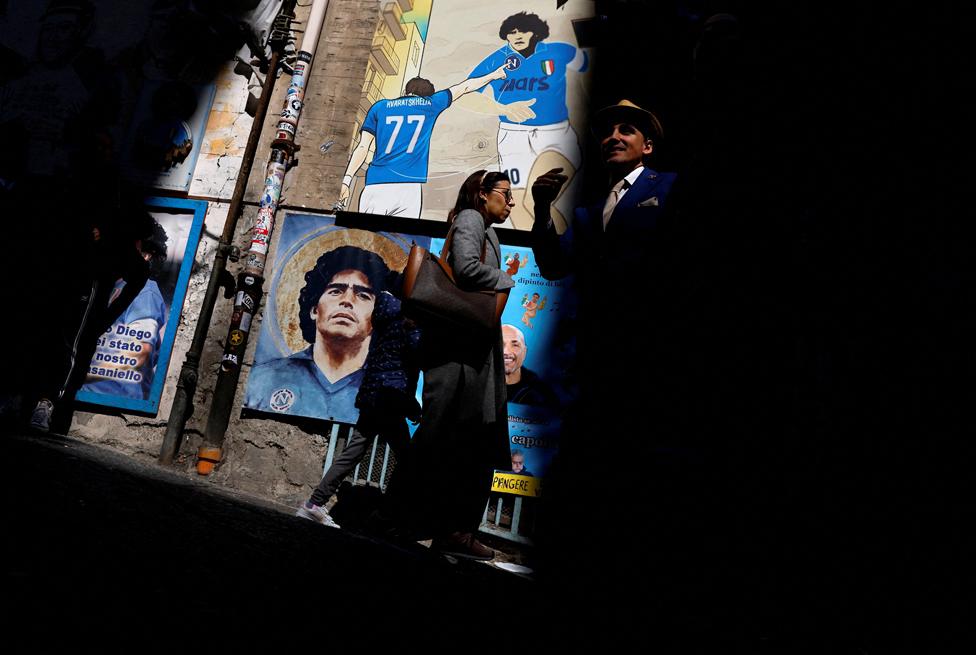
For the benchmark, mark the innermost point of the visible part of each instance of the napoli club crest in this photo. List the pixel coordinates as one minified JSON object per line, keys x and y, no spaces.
{"x":282,"y":400}
{"x":512,"y":62}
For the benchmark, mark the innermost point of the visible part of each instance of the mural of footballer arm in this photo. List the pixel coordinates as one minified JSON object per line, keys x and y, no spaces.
{"x":536,"y":78}
{"x":402,"y":128}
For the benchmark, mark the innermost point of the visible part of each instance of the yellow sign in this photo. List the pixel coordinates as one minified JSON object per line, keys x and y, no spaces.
{"x":520,"y":485}
{"x":236,"y":338}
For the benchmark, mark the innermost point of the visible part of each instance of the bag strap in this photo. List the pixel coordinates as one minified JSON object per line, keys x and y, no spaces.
{"x":446,"y":250}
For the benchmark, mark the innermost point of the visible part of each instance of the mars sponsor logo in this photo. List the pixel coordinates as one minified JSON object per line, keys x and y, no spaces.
{"x":526,"y":84}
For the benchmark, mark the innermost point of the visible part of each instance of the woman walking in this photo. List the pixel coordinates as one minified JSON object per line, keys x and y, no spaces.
{"x":463,"y":434}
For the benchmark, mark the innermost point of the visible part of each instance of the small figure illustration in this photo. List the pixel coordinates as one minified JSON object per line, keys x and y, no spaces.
{"x":531,"y":308}
{"x":513,"y":264}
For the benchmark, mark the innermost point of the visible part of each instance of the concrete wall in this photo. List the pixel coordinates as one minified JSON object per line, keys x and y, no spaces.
{"x":261,"y":456}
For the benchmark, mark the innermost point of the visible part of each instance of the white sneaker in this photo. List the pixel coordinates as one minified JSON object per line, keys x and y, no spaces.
{"x":316,"y":513}
{"x":41,"y":418}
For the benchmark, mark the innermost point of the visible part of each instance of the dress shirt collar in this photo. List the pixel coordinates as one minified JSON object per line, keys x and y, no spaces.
{"x":632,"y":176}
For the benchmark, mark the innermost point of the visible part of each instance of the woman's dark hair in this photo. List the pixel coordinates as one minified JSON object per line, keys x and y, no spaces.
{"x":328,"y":265}
{"x":468,"y":195}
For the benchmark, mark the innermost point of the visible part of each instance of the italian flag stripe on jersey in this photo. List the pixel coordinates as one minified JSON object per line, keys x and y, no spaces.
{"x":548,"y":67}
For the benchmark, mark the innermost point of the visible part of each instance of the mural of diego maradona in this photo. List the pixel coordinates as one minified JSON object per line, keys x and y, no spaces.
{"x":335,"y":310}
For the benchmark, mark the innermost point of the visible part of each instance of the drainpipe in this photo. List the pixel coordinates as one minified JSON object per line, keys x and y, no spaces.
{"x":219,"y":276}
{"x":251,"y":279}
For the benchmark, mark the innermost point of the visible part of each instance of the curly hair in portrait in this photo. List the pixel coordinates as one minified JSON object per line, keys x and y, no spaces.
{"x":328,"y":265}
{"x":524,"y":22}
{"x":469,"y":194}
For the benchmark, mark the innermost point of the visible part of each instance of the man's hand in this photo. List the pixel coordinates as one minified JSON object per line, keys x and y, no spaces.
{"x":498,"y":74}
{"x":518,"y":112}
{"x":546,"y":188}
{"x":344,"y":195}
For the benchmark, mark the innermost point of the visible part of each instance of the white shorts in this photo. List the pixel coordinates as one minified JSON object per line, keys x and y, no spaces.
{"x":400,"y":199}
{"x":519,"y":145}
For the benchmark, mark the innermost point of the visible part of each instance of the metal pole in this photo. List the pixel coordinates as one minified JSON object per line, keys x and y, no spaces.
{"x":251,"y":279}
{"x":219,"y":277}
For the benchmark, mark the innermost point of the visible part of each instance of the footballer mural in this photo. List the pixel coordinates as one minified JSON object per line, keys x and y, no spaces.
{"x":453,"y":87}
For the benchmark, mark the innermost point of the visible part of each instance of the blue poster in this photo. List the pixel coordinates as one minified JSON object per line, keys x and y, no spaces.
{"x":538,"y":352}
{"x":330,"y":285}
{"x":130,"y":362}
{"x":533,"y":433}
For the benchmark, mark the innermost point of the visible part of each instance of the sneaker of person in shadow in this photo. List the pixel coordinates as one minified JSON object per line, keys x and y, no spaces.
{"x":316,"y":513}
{"x":41,"y":417}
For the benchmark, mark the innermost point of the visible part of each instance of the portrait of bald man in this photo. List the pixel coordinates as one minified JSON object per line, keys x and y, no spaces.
{"x":524,"y":386}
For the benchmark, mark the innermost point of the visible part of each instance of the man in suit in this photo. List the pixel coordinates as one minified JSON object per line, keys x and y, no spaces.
{"x":620,"y":254}
{"x":611,"y":247}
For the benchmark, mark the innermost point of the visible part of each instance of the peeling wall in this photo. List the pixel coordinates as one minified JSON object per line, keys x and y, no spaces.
{"x":262,"y":456}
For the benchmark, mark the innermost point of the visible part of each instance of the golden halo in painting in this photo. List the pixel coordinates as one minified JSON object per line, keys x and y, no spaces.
{"x":293,"y":276}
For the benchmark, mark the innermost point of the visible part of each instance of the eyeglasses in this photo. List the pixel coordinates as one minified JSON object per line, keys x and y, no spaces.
{"x":505,"y":192}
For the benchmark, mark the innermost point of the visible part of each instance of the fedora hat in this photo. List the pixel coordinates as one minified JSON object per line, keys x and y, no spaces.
{"x":627,"y":112}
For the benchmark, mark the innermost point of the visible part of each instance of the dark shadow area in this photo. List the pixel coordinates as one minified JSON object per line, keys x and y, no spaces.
{"x":799,"y":490}
{"x":102,"y":105}
{"x":126,"y":556}
{"x":419,"y":227}
{"x":795,"y":482}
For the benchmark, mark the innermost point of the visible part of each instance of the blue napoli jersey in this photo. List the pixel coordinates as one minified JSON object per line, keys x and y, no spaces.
{"x":118,"y":341}
{"x":295,"y":385}
{"x":402,"y":129}
{"x":542,"y":76}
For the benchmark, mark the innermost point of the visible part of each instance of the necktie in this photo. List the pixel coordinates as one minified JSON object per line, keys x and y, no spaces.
{"x":612,"y":200}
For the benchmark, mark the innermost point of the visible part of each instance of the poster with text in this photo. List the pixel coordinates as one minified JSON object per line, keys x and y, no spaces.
{"x":329,"y":293}
{"x":456,"y":86}
{"x":131,"y":358}
{"x":533,"y":434}
{"x":539,"y":346}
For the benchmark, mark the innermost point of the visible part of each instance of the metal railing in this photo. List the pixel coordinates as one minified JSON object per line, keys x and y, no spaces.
{"x":504,"y":515}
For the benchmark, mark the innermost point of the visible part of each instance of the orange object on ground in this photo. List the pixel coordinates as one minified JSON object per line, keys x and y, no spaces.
{"x":207,"y":458}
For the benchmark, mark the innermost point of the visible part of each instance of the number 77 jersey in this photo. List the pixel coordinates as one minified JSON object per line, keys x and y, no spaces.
{"x":402,"y":129}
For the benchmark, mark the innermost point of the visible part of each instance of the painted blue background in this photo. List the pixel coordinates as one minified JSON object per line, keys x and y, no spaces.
{"x":550,"y":352}
{"x":534,"y":423}
{"x":540,"y":340}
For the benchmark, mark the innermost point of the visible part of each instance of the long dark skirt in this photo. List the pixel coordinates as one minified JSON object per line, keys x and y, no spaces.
{"x":444,"y":482}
